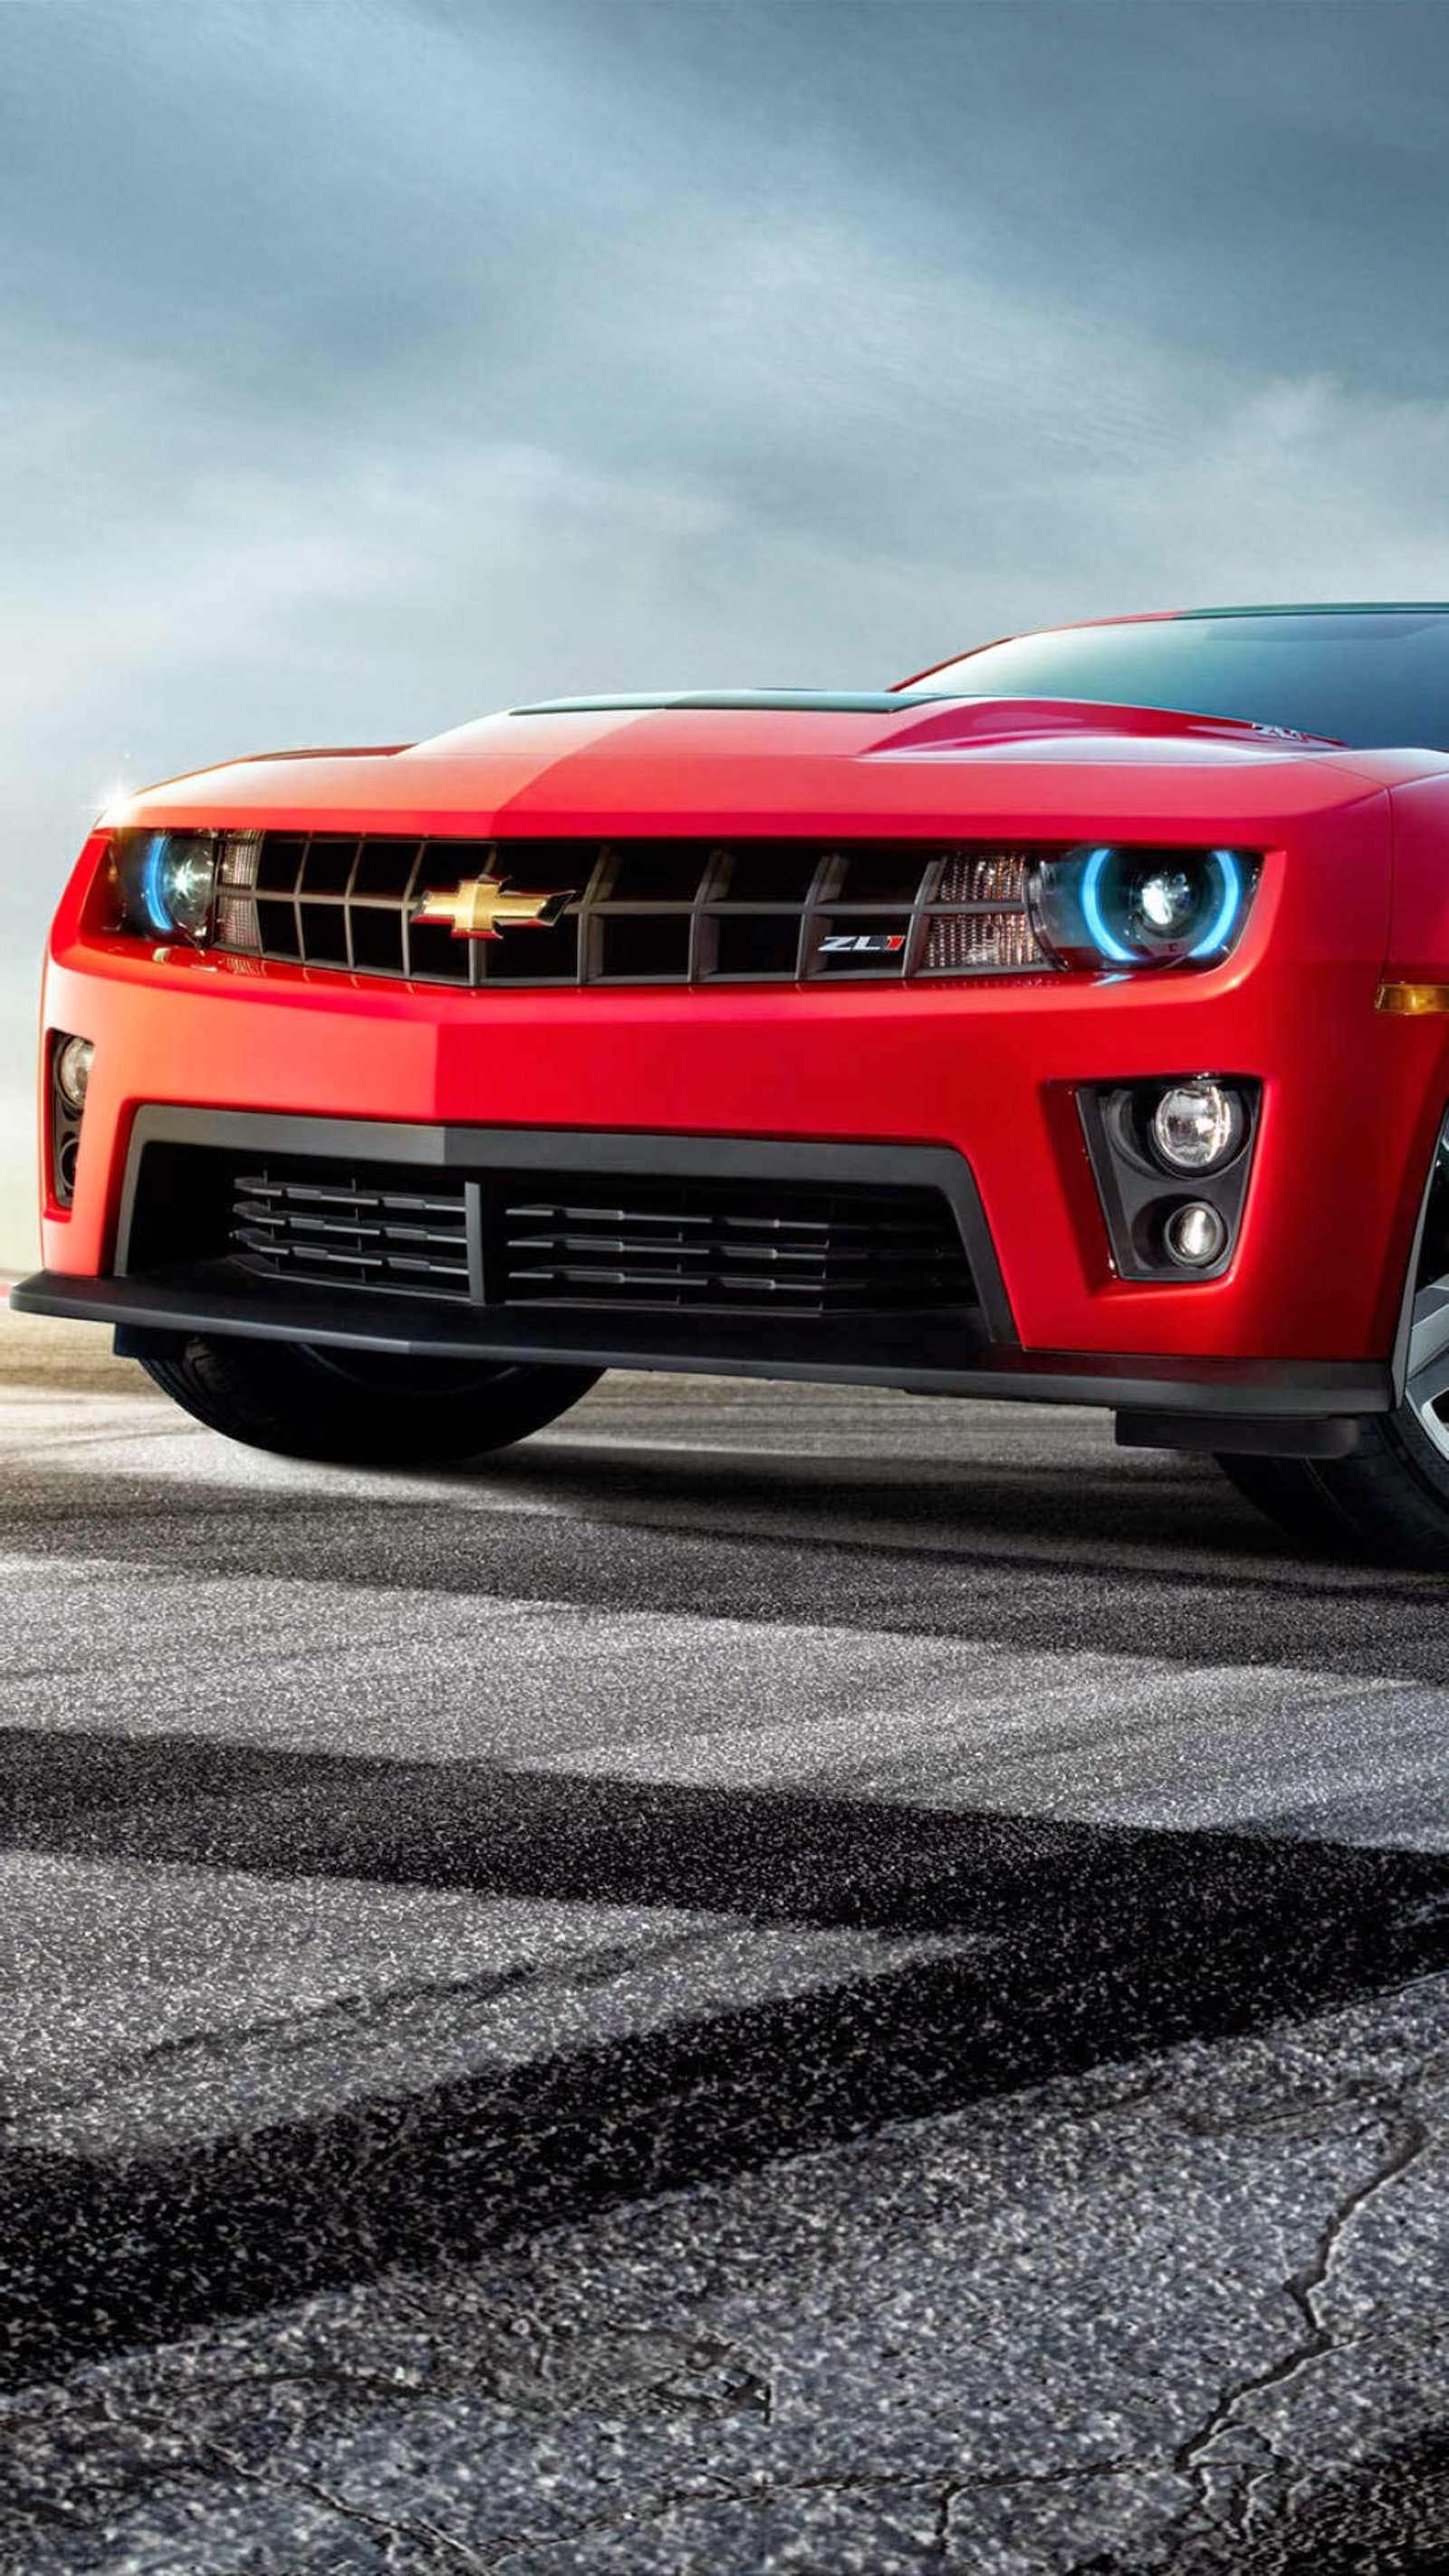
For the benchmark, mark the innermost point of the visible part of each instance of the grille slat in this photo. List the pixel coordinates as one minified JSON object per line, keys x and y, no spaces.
{"x":711,"y":1245}
{"x":340,"y":1226}
{"x":667,"y":1243}
{"x":633,"y":912}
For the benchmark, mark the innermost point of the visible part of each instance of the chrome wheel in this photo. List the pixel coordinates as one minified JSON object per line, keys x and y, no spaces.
{"x":1434,"y":1417}
{"x":1428,"y":1388}
{"x":1387,"y":1501}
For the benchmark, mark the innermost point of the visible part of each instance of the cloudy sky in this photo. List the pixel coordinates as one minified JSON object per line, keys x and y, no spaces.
{"x":367,"y":363}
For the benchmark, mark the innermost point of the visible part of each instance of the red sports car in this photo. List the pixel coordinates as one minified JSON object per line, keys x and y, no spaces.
{"x":1071,"y":1022}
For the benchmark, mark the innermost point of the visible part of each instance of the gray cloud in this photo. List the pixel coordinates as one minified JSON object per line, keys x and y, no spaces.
{"x":366,"y":364}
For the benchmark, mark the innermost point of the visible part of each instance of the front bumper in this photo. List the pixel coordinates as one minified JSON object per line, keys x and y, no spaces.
{"x":177,"y":1272}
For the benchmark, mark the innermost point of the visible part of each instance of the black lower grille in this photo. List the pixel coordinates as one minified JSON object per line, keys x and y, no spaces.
{"x":354,"y":1230}
{"x":512,"y":1239}
{"x":704,"y":1244}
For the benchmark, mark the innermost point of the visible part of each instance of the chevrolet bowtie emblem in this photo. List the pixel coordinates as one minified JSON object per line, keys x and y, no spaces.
{"x":482,"y":908}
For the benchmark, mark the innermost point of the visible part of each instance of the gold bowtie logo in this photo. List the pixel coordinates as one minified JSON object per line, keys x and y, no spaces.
{"x":483,"y":908}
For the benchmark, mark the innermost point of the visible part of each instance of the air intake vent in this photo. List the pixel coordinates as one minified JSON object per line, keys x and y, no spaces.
{"x":350,"y":1231}
{"x":511,"y":1239}
{"x":698,"y":1244}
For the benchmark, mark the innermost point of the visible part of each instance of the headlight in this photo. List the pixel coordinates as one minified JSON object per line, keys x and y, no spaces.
{"x":168,"y":881}
{"x":1112,"y":906}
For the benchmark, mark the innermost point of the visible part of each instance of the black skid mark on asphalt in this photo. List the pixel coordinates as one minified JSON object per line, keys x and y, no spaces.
{"x":1108,"y":1944}
{"x":776,"y":1855}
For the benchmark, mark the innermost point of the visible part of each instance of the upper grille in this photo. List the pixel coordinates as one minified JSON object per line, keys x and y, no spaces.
{"x":635,"y":912}
{"x":510,"y":1238}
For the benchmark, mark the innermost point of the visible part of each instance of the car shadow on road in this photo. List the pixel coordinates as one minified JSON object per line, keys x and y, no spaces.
{"x":624,"y":1541}
{"x":1090,"y":1496}
{"x":1107,"y":1944}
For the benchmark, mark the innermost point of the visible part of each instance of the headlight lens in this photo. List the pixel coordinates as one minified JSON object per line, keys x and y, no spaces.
{"x":1112,"y":906}
{"x":168,"y":882}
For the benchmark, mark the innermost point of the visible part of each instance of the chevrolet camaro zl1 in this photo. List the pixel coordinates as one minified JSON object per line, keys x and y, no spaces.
{"x":1070,"y":1022}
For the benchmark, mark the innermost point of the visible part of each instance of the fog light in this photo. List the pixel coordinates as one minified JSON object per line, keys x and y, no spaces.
{"x":1195,"y":1235}
{"x":1197,"y":1127}
{"x":73,"y":1071}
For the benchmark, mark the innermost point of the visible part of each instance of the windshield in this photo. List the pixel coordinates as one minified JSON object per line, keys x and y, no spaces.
{"x":1374,"y":678}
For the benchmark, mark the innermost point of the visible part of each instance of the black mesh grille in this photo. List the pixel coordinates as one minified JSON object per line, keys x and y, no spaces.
{"x":507,"y":1239}
{"x":630,"y":912}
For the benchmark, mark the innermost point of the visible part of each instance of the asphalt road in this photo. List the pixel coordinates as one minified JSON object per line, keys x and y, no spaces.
{"x":777,"y":1980}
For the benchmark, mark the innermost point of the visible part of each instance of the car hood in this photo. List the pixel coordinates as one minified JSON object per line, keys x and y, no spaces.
{"x":793,"y":762}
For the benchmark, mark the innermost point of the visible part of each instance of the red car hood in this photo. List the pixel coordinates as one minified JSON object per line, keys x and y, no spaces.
{"x":785,"y":763}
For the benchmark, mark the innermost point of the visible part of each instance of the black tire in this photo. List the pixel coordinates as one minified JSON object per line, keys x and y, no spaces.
{"x":1386,"y":1503}
{"x":359,"y":1408}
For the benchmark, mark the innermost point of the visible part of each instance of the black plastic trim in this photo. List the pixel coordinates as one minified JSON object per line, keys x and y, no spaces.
{"x":1137,"y":1192}
{"x":1329,"y":1435}
{"x":63,"y":1126}
{"x":558,"y":1149}
{"x":919,"y":1353}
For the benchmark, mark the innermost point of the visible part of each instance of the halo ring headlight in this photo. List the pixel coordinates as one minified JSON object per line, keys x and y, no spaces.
{"x":168,"y":882}
{"x":1102,"y":937}
{"x":152,"y":894}
{"x":1110,"y":904}
{"x":1220,"y":933}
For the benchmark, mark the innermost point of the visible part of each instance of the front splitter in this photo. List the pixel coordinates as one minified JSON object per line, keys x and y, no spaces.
{"x":924,"y":1354}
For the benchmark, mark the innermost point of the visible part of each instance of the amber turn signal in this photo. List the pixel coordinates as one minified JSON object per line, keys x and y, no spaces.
{"x":1413,"y":1001}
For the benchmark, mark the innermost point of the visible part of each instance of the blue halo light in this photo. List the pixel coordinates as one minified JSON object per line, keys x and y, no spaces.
{"x":151,"y":894}
{"x":1114,"y":949}
{"x":1214,"y":939}
{"x":1101,"y":936}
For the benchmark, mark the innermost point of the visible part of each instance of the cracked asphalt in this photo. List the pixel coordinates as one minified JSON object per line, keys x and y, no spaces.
{"x":777,"y":1979}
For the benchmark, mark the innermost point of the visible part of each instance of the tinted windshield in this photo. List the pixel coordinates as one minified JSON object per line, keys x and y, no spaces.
{"x":1369,"y":677}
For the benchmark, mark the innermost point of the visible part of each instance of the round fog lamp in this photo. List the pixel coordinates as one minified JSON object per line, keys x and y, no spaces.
{"x":1195,"y":1235}
{"x":73,"y":1070}
{"x":1197,"y":1127}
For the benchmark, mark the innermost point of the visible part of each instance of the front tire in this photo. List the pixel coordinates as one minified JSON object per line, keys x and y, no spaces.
{"x":358,"y":1408}
{"x":1387,"y":1502}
